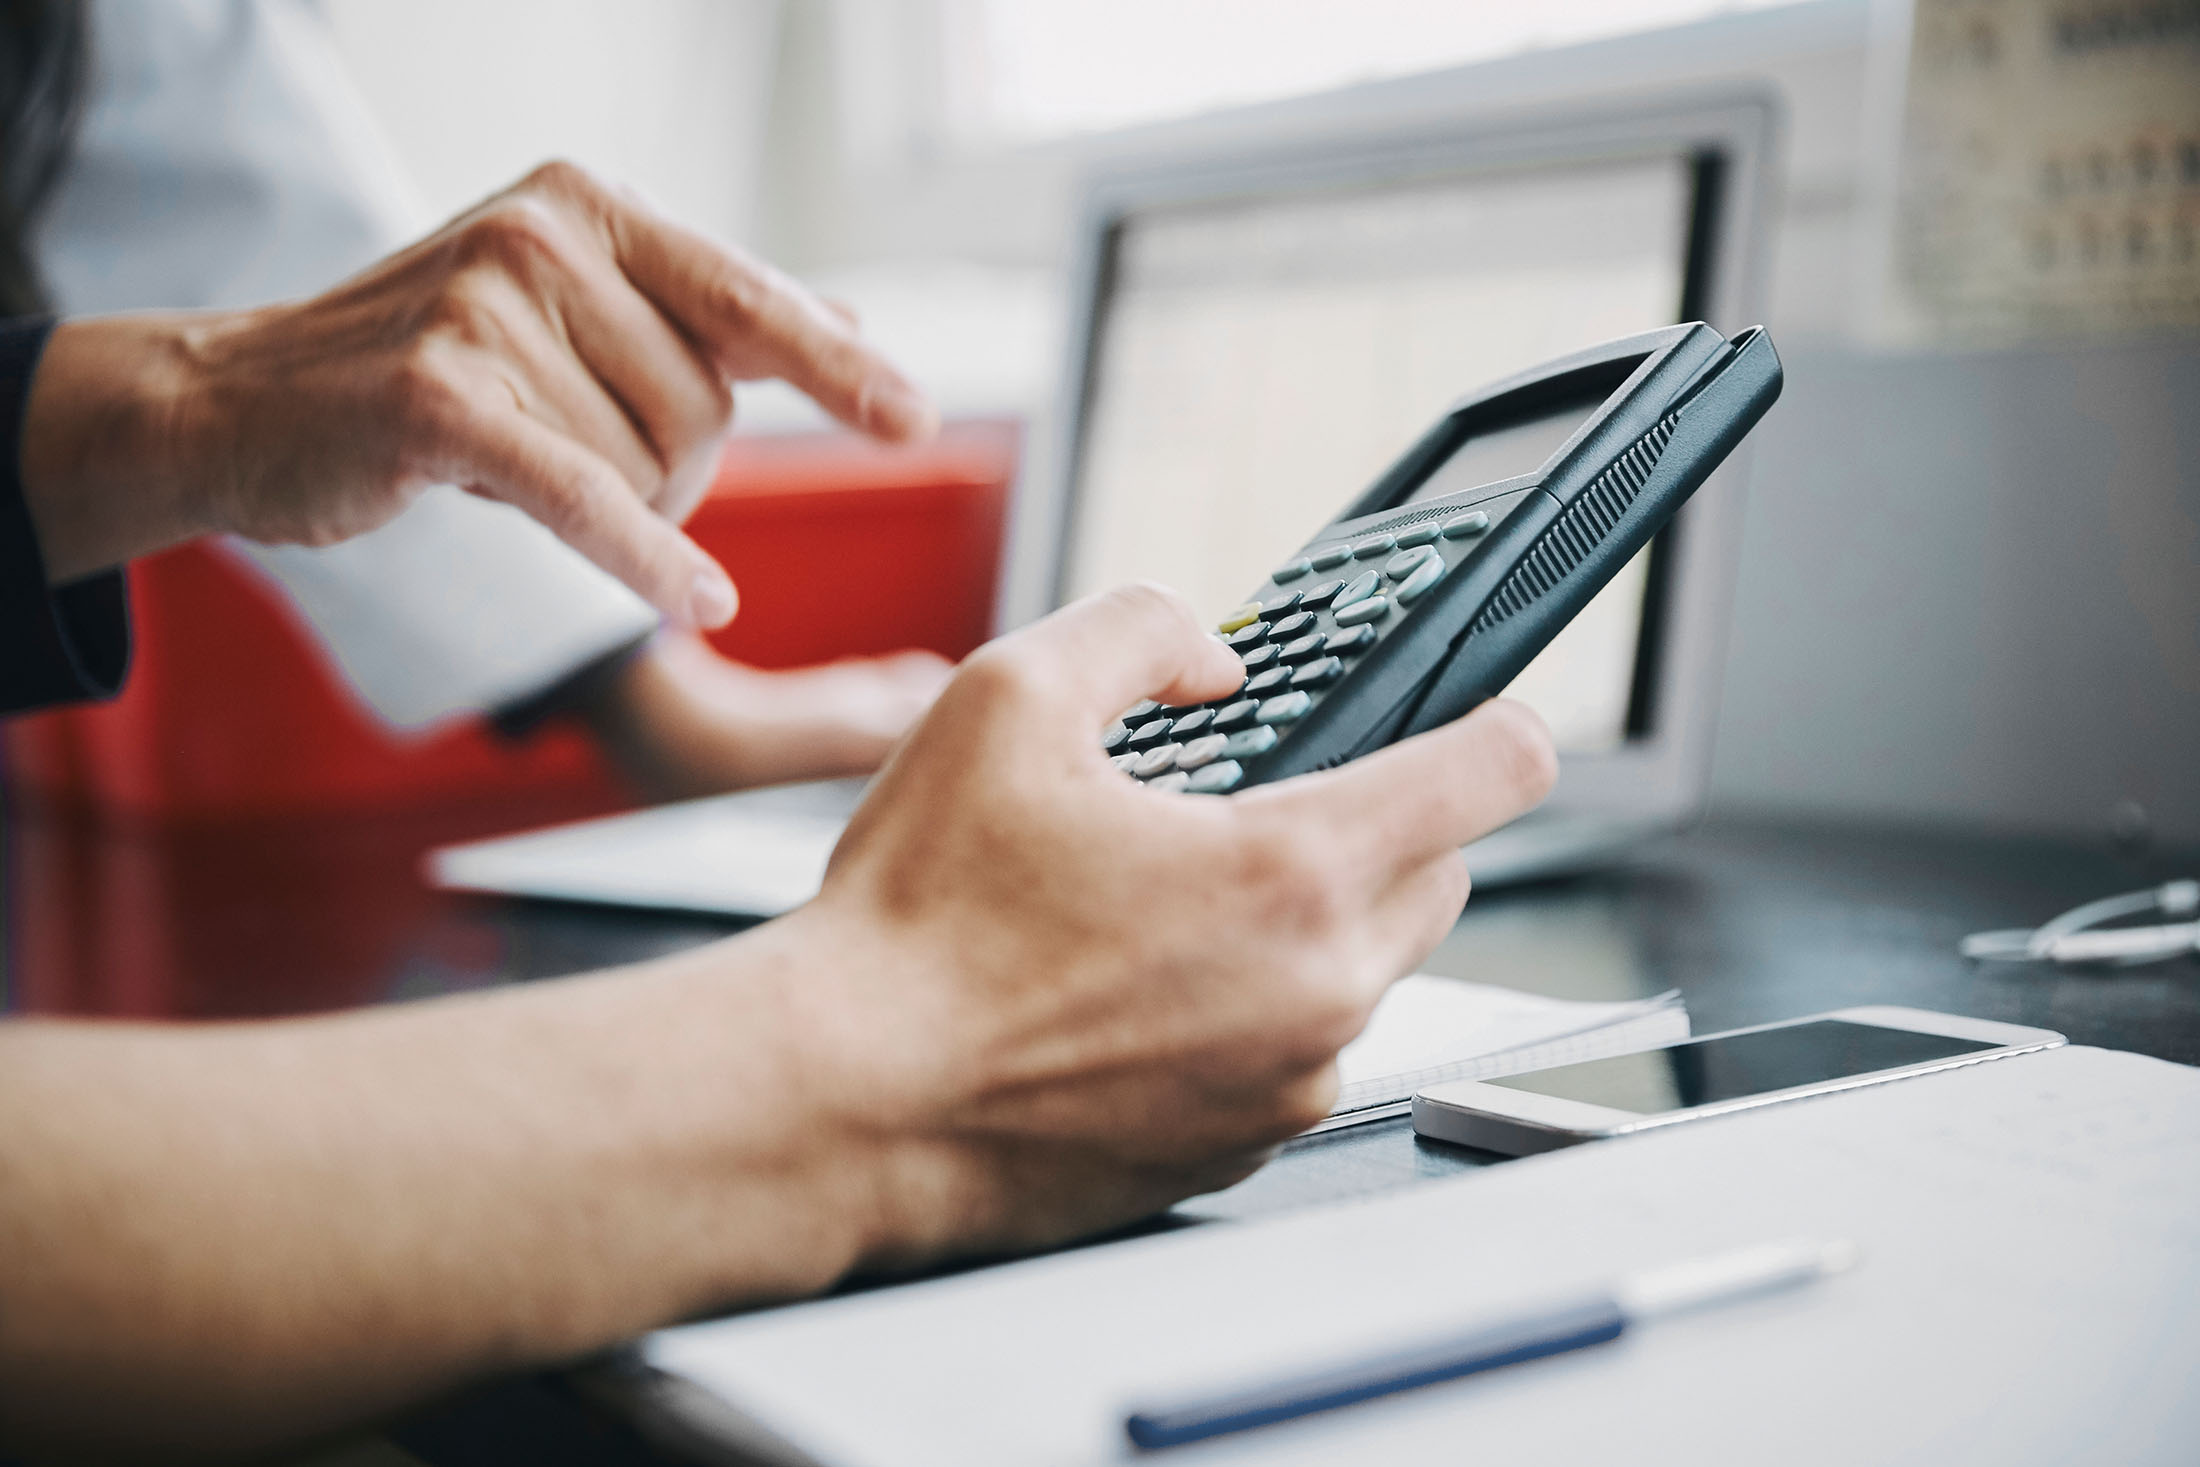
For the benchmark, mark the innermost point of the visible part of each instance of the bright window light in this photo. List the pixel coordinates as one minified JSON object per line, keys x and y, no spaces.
{"x":1028,"y":69}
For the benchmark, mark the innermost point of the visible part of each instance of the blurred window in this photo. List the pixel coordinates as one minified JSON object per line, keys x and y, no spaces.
{"x":1020,"y":70}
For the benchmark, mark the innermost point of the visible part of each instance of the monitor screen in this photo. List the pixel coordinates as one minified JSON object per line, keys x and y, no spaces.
{"x":1258,"y":361}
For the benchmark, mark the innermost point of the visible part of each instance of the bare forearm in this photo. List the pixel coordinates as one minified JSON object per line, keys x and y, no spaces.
{"x":237,"y":1236}
{"x":680,"y":721}
{"x":104,"y":445}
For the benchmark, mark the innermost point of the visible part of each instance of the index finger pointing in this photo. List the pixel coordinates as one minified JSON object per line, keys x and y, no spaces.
{"x":754,"y":321}
{"x":586,"y":502}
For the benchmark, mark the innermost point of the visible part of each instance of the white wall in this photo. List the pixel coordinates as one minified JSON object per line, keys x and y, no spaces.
{"x":668,"y":95}
{"x":1970,"y":587}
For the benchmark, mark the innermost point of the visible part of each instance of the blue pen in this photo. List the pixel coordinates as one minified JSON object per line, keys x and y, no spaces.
{"x":1550,"y":1331}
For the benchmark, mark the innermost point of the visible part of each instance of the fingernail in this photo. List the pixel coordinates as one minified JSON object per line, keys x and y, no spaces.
{"x":894,"y":409}
{"x":711,"y":602}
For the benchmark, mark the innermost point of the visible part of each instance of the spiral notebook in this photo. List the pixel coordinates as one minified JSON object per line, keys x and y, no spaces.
{"x":1429,"y":1029}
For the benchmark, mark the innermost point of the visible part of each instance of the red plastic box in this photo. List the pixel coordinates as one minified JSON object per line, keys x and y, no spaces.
{"x":838,"y":546}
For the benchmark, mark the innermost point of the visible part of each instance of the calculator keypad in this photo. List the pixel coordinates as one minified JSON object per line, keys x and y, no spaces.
{"x":1238,"y":714}
{"x":1296,"y":645}
{"x":1374,"y":608}
{"x":1148,"y":734}
{"x":1359,"y":588}
{"x":1202,"y":751}
{"x":1318,"y":674}
{"x":1192,"y":724}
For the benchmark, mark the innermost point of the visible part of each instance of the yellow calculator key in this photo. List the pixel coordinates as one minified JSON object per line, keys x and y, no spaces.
{"x":1244,"y":616}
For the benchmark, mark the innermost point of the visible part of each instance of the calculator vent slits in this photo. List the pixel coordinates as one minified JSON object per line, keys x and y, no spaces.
{"x":1400,"y":522}
{"x":1578,"y":530}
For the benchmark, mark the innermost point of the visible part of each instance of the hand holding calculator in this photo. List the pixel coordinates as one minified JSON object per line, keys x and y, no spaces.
{"x":1435,"y":587}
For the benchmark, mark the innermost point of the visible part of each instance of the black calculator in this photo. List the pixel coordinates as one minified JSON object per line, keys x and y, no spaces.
{"x":1435,"y":587}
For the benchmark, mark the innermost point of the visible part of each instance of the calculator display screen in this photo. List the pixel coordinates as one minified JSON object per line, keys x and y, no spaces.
{"x":1708,"y":1071}
{"x":1506,"y":450}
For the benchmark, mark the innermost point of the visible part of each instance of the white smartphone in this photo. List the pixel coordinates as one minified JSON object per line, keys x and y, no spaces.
{"x":1713,"y":1075}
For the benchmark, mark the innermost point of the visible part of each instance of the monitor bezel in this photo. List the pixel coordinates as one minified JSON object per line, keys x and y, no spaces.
{"x":1660,"y":773}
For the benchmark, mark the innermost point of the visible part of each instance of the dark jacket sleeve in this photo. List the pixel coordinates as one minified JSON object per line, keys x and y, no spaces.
{"x":57,"y":643}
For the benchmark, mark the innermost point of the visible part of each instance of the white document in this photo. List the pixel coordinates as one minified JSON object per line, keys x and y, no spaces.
{"x":1429,"y":1029}
{"x":754,"y":854}
{"x":758,"y":853}
{"x":2029,"y":1293}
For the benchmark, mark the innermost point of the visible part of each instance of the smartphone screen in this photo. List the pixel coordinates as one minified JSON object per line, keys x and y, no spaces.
{"x":1707,"y":1071}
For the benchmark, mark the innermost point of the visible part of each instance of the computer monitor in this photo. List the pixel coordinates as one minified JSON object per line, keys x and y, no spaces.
{"x":1263,"y":330}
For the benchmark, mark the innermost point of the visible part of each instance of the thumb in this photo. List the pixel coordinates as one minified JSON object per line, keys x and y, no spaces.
{"x":1136,"y":641}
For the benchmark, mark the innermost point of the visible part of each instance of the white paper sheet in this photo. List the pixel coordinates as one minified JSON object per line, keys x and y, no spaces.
{"x":1429,"y":1029}
{"x":756,"y":853}
{"x":2030,"y":1293}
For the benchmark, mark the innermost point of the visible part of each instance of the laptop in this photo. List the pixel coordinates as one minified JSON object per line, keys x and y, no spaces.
{"x":1259,"y":331}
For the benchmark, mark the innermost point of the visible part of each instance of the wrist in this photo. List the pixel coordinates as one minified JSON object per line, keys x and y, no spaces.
{"x":887,"y":1071}
{"x":807,"y":1139}
{"x":113,"y":444}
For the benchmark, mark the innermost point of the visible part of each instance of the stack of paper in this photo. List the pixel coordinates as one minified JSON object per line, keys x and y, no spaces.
{"x":1430,"y":1029}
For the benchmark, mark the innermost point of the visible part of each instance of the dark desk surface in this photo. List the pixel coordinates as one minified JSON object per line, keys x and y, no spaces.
{"x":1750,"y":921}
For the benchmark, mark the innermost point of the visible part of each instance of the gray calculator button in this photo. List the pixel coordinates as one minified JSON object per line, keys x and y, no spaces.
{"x":1378,"y":545}
{"x":1351,"y":639}
{"x":1126,"y":762}
{"x":1279,"y":606}
{"x":1192,"y":724}
{"x":1156,"y":761}
{"x":1401,"y":565}
{"x":1463,"y":526}
{"x":1374,"y":608}
{"x":1359,"y":588}
{"x":1321,"y":595}
{"x":1140,"y":709}
{"x":1329,"y":557}
{"x":1202,"y":751}
{"x":1307,"y":646}
{"x":1415,"y":586}
{"x":1317,"y":674}
{"x":1114,"y":739}
{"x":1418,"y":535}
{"x":1294,"y":625}
{"x":1259,"y":657}
{"x":1238,"y":714}
{"x":1216,"y":779}
{"x":1291,"y":570}
{"x":1247,"y":742}
{"x":1285,"y":708}
{"x":1147,"y":734}
{"x":1267,"y":682}
{"x":1248,"y":636}
{"x":1169,"y":784}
